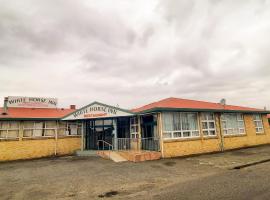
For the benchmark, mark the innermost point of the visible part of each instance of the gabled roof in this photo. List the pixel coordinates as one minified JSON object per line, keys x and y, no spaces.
{"x":192,"y":105}
{"x":86,"y":113}
{"x":34,"y":113}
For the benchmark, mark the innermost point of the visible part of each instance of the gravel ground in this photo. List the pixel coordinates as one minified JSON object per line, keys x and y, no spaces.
{"x":200,"y":177}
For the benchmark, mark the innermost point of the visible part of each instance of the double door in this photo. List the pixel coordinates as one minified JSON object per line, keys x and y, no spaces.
{"x":98,"y":134}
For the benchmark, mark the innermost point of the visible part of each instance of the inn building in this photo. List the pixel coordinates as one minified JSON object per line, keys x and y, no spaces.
{"x":36,"y":127}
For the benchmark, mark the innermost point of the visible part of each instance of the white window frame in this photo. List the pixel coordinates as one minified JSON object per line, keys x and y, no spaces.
{"x":239,"y":120}
{"x":172,"y":133}
{"x":43,"y":129}
{"x":255,"y":124}
{"x":10,"y":129}
{"x":134,"y":125}
{"x":208,"y":121}
{"x":78,"y":126}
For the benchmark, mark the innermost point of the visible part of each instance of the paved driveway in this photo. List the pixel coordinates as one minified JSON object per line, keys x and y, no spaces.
{"x":203,"y":177}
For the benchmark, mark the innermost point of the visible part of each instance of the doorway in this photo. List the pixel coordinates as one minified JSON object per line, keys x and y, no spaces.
{"x":149,"y":133}
{"x":99,"y":133}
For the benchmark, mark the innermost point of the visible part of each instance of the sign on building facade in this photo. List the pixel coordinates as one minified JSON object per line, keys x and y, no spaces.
{"x":97,"y":110}
{"x":31,"y":102}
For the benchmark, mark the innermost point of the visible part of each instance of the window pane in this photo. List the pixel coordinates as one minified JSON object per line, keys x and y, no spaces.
{"x":51,"y":124}
{"x":186,"y":134}
{"x":205,"y":133}
{"x":257,"y":117}
{"x":37,"y":132}
{"x":168,"y":121}
{"x":195,"y":133}
{"x":192,"y":119}
{"x":184,"y":120}
{"x":212,"y":132}
{"x":211,"y":125}
{"x":167,"y":135}
{"x":62,"y":124}
{"x":176,"y":122}
{"x":14,"y":125}
{"x":239,"y":117}
{"x":240,"y":124}
{"x":27,"y":133}
{"x":61,"y":132}
{"x":99,"y":122}
{"x":49,"y":132}
{"x":210,"y":116}
{"x":3,"y":134}
{"x":204,"y":125}
{"x":189,"y":121}
{"x":177,"y":134}
{"x":107,"y":122}
{"x":13,"y":134}
{"x":28,"y":124}
{"x":39,"y":125}
{"x":204,"y":116}
{"x":241,"y":130}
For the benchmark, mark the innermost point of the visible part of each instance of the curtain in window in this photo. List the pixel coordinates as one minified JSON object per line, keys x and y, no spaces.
{"x":168,"y":121}
{"x":176,"y":122}
{"x":189,"y":121}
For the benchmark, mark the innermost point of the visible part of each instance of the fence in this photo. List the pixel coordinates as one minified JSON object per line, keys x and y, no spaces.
{"x":126,"y":144}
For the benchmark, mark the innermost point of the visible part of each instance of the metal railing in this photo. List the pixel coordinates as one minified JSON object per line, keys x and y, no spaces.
{"x":103,"y":145}
{"x":126,"y":144}
{"x":150,"y":144}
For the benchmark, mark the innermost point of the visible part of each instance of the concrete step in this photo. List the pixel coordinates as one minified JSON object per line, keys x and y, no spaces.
{"x":86,"y":153}
{"x":111,"y":155}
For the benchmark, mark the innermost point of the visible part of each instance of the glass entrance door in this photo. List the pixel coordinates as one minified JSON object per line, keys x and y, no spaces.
{"x":97,"y":131}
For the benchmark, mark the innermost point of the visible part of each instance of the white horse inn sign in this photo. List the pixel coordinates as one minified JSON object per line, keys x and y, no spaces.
{"x":97,"y":110}
{"x":31,"y":102}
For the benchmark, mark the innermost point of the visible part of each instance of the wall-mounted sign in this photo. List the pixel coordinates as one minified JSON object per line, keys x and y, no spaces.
{"x":97,"y":110}
{"x":31,"y":102}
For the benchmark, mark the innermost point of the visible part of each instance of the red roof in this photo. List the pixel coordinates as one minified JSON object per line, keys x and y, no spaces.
{"x":268,"y":116}
{"x":178,"y":103}
{"x":35,"y":113}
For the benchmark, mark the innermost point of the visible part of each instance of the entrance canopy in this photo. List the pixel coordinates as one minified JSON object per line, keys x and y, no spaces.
{"x":97,"y":110}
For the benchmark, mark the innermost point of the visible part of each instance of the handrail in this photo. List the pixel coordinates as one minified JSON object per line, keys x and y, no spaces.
{"x":107,"y":143}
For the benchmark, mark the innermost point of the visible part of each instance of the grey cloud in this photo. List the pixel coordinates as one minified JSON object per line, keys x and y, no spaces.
{"x":84,"y":50}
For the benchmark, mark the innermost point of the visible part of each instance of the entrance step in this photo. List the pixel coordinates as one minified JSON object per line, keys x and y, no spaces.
{"x":86,"y":153}
{"x":112,"y":155}
{"x":133,"y":156}
{"x":140,"y":156}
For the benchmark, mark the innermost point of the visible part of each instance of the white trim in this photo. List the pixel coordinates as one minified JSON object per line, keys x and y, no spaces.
{"x":183,"y":131}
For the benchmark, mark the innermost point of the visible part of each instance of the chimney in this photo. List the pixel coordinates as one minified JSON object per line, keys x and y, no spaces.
{"x":73,"y":107}
{"x":5,"y":106}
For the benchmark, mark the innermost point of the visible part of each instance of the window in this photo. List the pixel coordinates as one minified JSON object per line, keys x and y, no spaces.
{"x":48,"y":128}
{"x":258,"y":123}
{"x":73,"y":128}
{"x":134,"y":127}
{"x":180,"y":125}
{"x":208,"y":124}
{"x":9,"y":130}
{"x":233,"y":123}
{"x":39,"y":129}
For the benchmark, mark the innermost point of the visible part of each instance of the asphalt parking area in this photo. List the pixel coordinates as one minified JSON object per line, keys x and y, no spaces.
{"x":95,"y":178}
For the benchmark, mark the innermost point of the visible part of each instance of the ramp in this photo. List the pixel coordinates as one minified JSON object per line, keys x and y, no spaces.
{"x":112,"y":155}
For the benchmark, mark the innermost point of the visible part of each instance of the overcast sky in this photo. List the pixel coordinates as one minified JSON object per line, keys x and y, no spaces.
{"x":130,"y":52}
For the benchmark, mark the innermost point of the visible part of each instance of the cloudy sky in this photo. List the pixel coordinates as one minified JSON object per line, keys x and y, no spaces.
{"x":130,"y":52}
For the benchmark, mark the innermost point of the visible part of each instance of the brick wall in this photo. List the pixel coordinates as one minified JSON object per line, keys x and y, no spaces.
{"x":182,"y":147}
{"x":31,"y":148}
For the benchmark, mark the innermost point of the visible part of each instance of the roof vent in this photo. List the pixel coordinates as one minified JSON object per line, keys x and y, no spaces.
{"x":223,"y":102}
